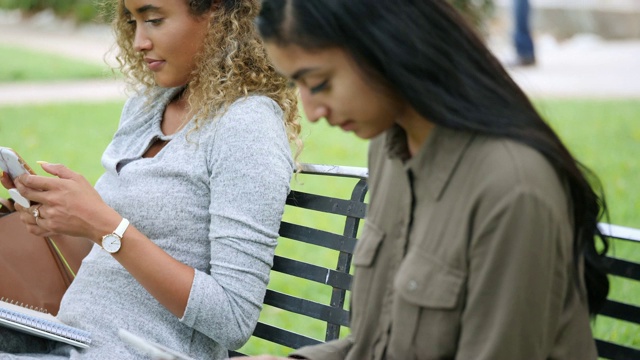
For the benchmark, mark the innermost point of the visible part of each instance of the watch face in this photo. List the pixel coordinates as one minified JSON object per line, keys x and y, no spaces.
{"x":111,"y":243}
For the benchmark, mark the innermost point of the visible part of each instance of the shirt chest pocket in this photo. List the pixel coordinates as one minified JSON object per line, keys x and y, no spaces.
{"x":367,"y":247}
{"x":369,"y":282}
{"x":427,"y":306}
{"x":425,"y":281}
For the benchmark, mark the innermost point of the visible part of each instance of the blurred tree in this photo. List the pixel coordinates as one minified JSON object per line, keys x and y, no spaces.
{"x":80,"y":10}
{"x":477,"y":12}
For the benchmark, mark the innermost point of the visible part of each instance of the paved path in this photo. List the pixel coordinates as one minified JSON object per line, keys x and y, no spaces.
{"x":88,"y":43}
{"x":40,"y":93}
{"x":583,"y":66}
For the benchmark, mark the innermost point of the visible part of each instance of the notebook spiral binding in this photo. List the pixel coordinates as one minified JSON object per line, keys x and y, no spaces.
{"x":44,"y":325}
{"x":26,"y":306}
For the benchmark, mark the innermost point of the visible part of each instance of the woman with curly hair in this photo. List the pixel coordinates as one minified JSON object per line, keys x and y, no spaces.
{"x":184,"y":221}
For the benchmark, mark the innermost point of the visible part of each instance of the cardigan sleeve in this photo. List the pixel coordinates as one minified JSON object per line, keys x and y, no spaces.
{"x":250,"y":169}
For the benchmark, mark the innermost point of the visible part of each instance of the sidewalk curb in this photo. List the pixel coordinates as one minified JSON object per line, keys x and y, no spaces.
{"x":73,"y":91}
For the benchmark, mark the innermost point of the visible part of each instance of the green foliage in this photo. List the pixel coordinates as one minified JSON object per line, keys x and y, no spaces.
{"x":477,"y":12}
{"x":85,"y":11}
{"x":80,"y":10}
{"x":20,"y":64}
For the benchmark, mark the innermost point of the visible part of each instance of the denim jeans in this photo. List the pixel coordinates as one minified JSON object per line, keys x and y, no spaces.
{"x":522,"y":34}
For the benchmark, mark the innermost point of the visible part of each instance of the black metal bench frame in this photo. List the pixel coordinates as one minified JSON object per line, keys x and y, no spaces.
{"x":333,"y":314}
{"x":339,"y":278}
{"x":615,"y":309}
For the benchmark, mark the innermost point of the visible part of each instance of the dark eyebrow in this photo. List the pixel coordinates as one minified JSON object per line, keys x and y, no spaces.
{"x":301,"y":73}
{"x":142,"y":9}
{"x":147,"y":8}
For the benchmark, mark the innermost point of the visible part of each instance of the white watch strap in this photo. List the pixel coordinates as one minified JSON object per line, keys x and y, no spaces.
{"x":124,"y":224}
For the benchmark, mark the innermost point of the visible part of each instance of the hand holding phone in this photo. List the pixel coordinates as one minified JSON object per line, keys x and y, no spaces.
{"x":14,"y":165}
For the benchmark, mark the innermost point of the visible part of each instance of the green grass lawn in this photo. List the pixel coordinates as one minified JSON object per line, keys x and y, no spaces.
{"x":21,"y":65}
{"x":604,"y":135}
{"x":72,"y":134}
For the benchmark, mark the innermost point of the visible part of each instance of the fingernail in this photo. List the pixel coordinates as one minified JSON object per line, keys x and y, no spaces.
{"x":41,"y":162}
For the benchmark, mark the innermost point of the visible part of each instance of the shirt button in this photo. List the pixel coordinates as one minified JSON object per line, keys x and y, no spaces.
{"x":412,"y":285}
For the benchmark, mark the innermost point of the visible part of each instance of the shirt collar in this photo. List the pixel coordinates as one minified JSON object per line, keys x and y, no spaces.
{"x":396,"y":143}
{"x":437,"y":159}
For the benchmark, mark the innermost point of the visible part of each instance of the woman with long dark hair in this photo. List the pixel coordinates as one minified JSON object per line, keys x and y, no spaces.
{"x":480,"y":238}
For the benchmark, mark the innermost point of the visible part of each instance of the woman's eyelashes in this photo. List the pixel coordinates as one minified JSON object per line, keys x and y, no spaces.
{"x":150,"y":21}
{"x":320,"y":87}
{"x":313,"y":90}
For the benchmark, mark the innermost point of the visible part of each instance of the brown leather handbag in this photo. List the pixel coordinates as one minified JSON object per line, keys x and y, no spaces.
{"x":35,"y":271}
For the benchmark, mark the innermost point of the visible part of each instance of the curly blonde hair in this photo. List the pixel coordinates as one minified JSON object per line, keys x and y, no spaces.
{"x":233,"y":63}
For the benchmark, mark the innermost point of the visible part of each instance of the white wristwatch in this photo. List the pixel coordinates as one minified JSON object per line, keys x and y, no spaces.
{"x":111,"y":242}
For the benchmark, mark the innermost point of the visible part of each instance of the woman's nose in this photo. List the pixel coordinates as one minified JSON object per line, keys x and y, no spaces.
{"x":141,"y":41}
{"x":313,"y":109}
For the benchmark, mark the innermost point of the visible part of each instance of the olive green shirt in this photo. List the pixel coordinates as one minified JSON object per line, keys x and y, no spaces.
{"x":466,"y":254}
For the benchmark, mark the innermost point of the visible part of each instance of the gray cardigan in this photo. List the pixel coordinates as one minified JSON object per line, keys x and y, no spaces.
{"x":213,"y":199}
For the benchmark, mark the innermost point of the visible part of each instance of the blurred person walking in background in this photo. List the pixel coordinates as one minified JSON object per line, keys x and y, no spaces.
{"x":522,"y":40}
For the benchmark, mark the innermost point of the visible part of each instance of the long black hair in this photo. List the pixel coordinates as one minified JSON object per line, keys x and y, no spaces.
{"x":425,"y":52}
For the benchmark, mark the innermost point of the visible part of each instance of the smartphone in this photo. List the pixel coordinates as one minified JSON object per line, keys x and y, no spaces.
{"x":151,"y":349}
{"x":14,"y":165}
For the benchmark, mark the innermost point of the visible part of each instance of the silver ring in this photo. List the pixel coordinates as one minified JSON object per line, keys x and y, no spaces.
{"x":36,"y":213}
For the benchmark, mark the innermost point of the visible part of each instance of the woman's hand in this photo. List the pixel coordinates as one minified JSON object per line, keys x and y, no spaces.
{"x":27,"y":217}
{"x":26,"y":214}
{"x":6,"y":181}
{"x":67,"y":204}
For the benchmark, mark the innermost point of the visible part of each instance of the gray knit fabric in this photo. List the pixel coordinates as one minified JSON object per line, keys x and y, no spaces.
{"x":213,"y":199}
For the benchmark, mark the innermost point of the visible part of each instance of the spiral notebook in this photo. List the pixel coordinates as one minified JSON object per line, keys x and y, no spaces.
{"x":41,"y":324}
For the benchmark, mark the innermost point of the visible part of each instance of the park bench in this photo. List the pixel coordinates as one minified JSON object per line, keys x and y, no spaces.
{"x":336,"y":278}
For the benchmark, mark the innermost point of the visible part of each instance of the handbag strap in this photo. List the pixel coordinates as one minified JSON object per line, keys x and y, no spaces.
{"x":62,"y":258}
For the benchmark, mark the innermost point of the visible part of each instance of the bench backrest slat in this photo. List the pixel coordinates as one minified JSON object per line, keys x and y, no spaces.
{"x":308,"y":308}
{"x":317,"y":237}
{"x":620,"y":232}
{"x":622,"y":311}
{"x":326,"y":204}
{"x":283,"y":337}
{"x":319,"y":274}
{"x":609,"y":350}
{"x":623,"y":268}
